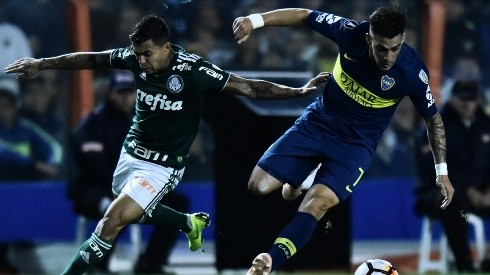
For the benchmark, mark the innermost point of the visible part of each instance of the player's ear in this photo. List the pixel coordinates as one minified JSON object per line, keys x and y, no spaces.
{"x":368,"y":38}
{"x":404,"y":35}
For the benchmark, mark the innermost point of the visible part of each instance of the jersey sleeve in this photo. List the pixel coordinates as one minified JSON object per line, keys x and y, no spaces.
{"x":421,"y":94}
{"x":331,"y":26}
{"x":210,"y":78}
{"x":122,"y":58}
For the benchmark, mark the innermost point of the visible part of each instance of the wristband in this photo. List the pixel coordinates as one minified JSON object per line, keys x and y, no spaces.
{"x":257,"y":20}
{"x":441,"y":169}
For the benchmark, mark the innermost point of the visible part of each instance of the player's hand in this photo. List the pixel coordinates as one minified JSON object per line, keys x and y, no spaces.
{"x":242,"y":27}
{"x":313,"y":84}
{"x":447,"y":190}
{"x":25,"y":67}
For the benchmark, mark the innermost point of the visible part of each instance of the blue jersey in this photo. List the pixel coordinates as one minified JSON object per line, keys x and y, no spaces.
{"x":362,"y":98}
{"x":341,"y":129}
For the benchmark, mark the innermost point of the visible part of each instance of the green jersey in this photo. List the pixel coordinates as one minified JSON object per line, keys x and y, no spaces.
{"x":168,"y":105}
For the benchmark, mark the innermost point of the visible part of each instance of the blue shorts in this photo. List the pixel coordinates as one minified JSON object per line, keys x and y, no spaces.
{"x":313,"y":140}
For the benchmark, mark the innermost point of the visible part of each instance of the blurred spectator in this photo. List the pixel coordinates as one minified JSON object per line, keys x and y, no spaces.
{"x":27,"y":152}
{"x":103,"y":20}
{"x":13,"y":44}
{"x":43,"y":21}
{"x":96,"y":145}
{"x":462,"y":39}
{"x":201,"y":155}
{"x":39,"y":100}
{"x":465,"y":68}
{"x":209,"y":39}
{"x":394,"y":155}
{"x":468,"y":155}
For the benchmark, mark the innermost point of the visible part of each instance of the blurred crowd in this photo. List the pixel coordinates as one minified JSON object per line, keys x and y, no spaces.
{"x":39,"y":28}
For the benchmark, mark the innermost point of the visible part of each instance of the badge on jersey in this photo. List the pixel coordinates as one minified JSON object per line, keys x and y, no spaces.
{"x":175,"y":84}
{"x":423,"y":76}
{"x":387,"y":82}
{"x":350,"y":24}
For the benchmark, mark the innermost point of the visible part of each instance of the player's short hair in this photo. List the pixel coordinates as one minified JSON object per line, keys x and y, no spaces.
{"x":151,"y":27}
{"x":388,"y":22}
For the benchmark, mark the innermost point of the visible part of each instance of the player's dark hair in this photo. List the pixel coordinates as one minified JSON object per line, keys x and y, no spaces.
{"x":153,"y":28}
{"x":388,"y":22}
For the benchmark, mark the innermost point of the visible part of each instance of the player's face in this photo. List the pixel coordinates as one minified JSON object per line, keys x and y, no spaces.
{"x":151,"y":57}
{"x":384,"y":51}
{"x":466,"y":107}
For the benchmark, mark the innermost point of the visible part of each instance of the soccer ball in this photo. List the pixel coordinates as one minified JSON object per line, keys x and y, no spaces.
{"x":376,"y":267}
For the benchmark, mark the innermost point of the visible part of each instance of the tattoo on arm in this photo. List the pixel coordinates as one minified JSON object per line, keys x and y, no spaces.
{"x":77,"y":61}
{"x":258,"y":88}
{"x":437,"y":137}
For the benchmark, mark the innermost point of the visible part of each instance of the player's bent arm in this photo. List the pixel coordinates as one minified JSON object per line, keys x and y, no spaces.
{"x":262,"y":89}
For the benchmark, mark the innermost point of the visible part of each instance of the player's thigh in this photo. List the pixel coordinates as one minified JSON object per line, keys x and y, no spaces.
{"x":292,"y":157}
{"x":344,"y":168}
{"x":262,"y":182}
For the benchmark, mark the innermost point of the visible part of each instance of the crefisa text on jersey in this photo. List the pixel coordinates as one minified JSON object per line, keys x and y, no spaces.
{"x":158,"y":100}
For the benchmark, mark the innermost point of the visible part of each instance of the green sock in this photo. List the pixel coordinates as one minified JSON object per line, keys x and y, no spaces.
{"x":164,"y":215}
{"x":90,"y":253}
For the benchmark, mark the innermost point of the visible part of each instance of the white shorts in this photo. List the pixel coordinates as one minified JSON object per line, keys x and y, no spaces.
{"x":143,"y":181}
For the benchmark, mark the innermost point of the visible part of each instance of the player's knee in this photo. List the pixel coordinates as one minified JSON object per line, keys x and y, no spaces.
{"x":258,"y":187}
{"x":318,"y":200}
{"x":109,"y":227}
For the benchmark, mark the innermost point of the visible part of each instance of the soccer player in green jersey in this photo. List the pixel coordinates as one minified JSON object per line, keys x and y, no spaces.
{"x":170,"y":87}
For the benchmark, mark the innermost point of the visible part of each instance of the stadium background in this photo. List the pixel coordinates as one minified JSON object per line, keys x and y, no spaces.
{"x":382,"y":207}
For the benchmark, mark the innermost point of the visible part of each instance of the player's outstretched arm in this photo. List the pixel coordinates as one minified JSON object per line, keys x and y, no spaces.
{"x":243,"y":26}
{"x":28,"y":67}
{"x":268,"y":90}
{"x":437,"y":140}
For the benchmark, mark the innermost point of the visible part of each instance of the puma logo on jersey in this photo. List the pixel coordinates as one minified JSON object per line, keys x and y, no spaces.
{"x":158,"y":101}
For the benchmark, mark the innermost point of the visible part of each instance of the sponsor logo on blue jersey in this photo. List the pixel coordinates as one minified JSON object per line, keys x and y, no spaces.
{"x":359,"y":93}
{"x":329,"y":18}
{"x":430,"y":98}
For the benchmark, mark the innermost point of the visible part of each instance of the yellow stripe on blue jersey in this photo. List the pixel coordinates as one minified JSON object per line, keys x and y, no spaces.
{"x":357,"y":92}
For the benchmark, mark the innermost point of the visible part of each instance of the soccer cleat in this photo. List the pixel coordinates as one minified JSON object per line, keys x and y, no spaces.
{"x":261,"y":265}
{"x":198,"y":222}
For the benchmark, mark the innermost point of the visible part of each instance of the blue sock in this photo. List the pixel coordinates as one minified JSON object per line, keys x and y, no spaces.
{"x":292,"y":238}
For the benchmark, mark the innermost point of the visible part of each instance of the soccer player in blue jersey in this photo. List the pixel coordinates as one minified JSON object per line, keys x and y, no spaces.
{"x":170,"y":84}
{"x":339,"y":131}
